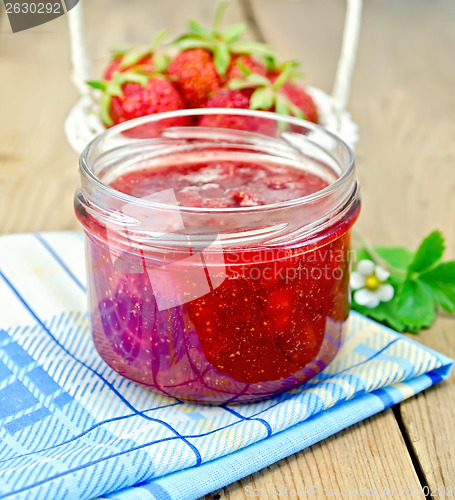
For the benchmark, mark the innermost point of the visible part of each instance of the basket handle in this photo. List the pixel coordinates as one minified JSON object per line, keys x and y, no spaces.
{"x":346,"y":62}
{"x":80,"y":60}
{"x":340,"y":94}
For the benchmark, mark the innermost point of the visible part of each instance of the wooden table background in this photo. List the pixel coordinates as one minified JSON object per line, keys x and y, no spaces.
{"x":403,"y":99}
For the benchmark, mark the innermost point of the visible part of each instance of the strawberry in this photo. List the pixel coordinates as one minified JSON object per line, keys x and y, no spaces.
{"x":300,"y":98}
{"x":238,"y":99}
{"x":131,"y":95}
{"x":194,"y":74}
{"x":206,"y":58}
{"x":240,"y":63}
{"x":256,"y":91}
{"x":142,"y":59}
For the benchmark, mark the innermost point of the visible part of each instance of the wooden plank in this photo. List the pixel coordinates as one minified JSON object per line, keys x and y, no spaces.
{"x":429,"y":418}
{"x":358,"y":462}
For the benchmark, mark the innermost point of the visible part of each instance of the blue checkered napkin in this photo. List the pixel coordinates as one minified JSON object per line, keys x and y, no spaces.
{"x":70,"y":427}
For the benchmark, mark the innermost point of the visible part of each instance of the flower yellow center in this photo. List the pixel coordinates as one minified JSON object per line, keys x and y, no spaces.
{"x":372,"y":283}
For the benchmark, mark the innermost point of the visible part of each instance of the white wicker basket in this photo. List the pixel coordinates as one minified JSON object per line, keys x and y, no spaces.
{"x":83,"y":124}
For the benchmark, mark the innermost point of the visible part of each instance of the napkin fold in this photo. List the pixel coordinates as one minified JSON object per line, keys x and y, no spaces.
{"x":70,"y":427}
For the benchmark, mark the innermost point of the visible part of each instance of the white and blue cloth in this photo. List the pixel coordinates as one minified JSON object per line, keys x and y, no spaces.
{"x":71,"y":428}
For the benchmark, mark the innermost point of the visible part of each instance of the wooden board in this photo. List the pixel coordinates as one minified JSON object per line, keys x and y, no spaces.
{"x":403,"y":101}
{"x":358,"y":462}
{"x":429,"y":418}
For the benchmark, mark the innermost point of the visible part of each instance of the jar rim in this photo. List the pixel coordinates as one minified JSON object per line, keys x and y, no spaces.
{"x":109,"y":190}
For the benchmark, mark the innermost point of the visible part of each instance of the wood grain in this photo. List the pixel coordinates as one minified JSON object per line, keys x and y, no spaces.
{"x":429,"y":418}
{"x":358,"y":459}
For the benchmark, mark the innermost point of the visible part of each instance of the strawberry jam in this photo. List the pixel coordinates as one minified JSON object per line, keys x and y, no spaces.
{"x":217,"y":274}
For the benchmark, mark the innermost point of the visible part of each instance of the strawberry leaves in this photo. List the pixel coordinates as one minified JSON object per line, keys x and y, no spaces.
{"x":222,"y":44}
{"x":267,"y":95}
{"x":421,"y":283}
{"x":113,"y":88}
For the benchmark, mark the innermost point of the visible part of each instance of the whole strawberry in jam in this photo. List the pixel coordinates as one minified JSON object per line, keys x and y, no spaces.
{"x":207,"y":59}
{"x":132,"y":95}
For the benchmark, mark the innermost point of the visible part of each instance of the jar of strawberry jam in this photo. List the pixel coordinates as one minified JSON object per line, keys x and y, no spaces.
{"x":217,"y":247}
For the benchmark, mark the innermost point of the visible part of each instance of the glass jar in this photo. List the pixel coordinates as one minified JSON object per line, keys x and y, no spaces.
{"x":217,"y":305}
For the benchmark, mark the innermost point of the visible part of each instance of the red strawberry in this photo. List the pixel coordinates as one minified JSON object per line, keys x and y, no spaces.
{"x":132,"y":95}
{"x":202,"y":66}
{"x":300,"y":98}
{"x":238,"y":99}
{"x":256,"y":91}
{"x":194,"y":73}
{"x":145,"y":60}
{"x":240,"y":63}
{"x":122,"y":64}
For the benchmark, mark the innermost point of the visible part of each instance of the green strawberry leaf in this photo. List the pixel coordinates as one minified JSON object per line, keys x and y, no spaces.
{"x":199,"y":30}
{"x":156,"y":42}
{"x":97,"y":84}
{"x":397,"y":257}
{"x":104,"y":110}
{"x":219,"y":13}
{"x":194,"y":43}
{"x":296,"y":111}
{"x":262,"y":98}
{"x":160,"y":62}
{"x":416,"y":307}
{"x":250,"y":47}
{"x":429,"y":253}
{"x":420,"y":282}
{"x":281,"y":104}
{"x":258,"y":80}
{"x":119,"y":50}
{"x":238,"y":84}
{"x":441,"y":281}
{"x":233,"y":32}
{"x":221,"y":58}
{"x":385,"y":312}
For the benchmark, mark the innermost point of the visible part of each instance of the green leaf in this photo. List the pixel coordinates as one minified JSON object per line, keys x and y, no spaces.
{"x":160,"y":62}
{"x":238,"y":84}
{"x":416,"y":306}
{"x":262,"y":98}
{"x":119,"y":50}
{"x":219,"y":13}
{"x":282,"y":104}
{"x":249,"y":47}
{"x":258,"y":80}
{"x":133,"y":56}
{"x":199,"y":30}
{"x":428,"y":253}
{"x":441,"y":281}
{"x":385,"y":312}
{"x":221,"y":58}
{"x":194,"y":43}
{"x":156,"y":42}
{"x":97,"y":84}
{"x":104,"y":111}
{"x":233,"y":32}
{"x":397,"y":257}
{"x":296,"y":111}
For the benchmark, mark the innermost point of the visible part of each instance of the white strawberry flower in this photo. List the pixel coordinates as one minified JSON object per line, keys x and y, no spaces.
{"x":368,"y":282}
